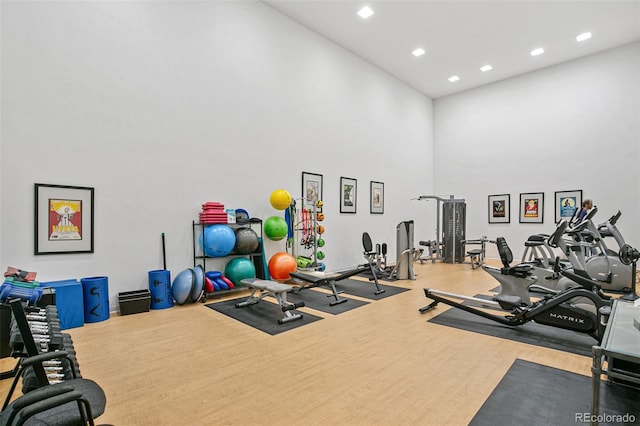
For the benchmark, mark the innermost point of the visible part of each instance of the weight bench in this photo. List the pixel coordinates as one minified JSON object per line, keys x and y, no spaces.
{"x":263,"y":288}
{"x":476,"y":257}
{"x":317,"y":279}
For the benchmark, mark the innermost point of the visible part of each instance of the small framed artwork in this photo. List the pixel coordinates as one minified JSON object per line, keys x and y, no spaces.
{"x":63,"y":219}
{"x":532,"y":207}
{"x":500,"y":208}
{"x":311,"y":189}
{"x":567,"y":203}
{"x":377,"y":197}
{"x":348,"y":195}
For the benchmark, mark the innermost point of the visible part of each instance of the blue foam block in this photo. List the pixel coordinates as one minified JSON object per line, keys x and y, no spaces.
{"x":69,"y":301}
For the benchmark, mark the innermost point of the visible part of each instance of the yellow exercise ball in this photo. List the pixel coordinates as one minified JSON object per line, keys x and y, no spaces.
{"x":280,"y":199}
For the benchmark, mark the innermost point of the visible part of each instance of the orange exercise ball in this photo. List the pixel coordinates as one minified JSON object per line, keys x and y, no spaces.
{"x":280,"y":265}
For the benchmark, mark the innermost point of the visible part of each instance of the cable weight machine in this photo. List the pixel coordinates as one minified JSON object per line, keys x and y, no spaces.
{"x":451,"y":220}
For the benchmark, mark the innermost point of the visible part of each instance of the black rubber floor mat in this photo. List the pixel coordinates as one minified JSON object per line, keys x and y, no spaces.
{"x":535,"y":394}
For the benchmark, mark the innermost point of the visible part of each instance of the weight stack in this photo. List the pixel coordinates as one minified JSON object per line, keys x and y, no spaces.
{"x":453,"y":230}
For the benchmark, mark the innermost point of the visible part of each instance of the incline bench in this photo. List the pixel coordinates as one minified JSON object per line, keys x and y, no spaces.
{"x":317,"y":279}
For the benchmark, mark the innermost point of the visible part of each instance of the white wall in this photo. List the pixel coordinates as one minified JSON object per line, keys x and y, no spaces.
{"x":161,"y":106}
{"x":571,"y":126}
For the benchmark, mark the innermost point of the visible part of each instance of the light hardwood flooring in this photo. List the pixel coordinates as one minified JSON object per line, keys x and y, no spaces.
{"x":380,"y":364}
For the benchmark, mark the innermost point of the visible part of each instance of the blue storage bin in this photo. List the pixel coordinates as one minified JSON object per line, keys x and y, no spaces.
{"x":95,"y":294}
{"x":69,"y":302}
{"x":160,"y":288}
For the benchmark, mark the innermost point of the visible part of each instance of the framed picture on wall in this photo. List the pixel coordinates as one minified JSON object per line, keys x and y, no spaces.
{"x":377,"y":197}
{"x":500,"y":208}
{"x":63,"y":219}
{"x":567,"y":203}
{"x":311,"y":189}
{"x":348,"y":195}
{"x":532,"y":207}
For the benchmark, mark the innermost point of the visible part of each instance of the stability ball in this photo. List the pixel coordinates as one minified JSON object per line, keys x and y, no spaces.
{"x":218,"y":240}
{"x":280,"y":199}
{"x":183,"y":285}
{"x":275,"y":228}
{"x":238,"y":269}
{"x":280,"y":265}
{"x":246,"y":241}
{"x":196,"y":292}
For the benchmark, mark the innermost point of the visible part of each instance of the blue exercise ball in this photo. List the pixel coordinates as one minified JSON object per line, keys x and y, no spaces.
{"x":238,"y":269}
{"x":217,"y":240}
{"x":183,"y":285}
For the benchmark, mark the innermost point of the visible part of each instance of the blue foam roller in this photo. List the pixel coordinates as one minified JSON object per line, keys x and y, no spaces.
{"x":212,"y":275}
{"x":222,"y":284}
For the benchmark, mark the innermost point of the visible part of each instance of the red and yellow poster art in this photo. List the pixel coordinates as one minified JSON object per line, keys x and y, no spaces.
{"x":65,"y":219}
{"x":531,"y":207}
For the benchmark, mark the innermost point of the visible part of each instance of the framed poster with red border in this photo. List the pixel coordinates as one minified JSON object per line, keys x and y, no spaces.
{"x":532,"y":207}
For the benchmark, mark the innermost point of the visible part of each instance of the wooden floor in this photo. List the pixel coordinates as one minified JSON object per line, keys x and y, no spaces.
{"x":380,"y":364}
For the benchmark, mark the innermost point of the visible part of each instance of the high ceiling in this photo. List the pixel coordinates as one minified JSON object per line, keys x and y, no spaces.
{"x":459,"y":37}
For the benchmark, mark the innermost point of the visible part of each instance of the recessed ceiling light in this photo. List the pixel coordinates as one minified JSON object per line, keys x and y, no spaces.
{"x":538,"y":51}
{"x":454,"y":78}
{"x":418,"y":52}
{"x":365,"y":12}
{"x":486,"y":68}
{"x":583,"y":37}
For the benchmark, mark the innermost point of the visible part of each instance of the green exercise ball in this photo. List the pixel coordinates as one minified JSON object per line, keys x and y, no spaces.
{"x":275,"y":228}
{"x":238,"y":269}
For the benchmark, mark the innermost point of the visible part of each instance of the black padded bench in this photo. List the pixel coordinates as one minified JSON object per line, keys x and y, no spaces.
{"x":317,"y":279}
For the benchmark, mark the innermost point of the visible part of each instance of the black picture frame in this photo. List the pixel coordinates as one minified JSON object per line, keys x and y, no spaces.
{"x":532,"y":207}
{"x":567,"y":203}
{"x":312,"y":189}
{"x":499,"y":208}
{"x":63,"y":219}
{"x":348,"y":195}
{"x":376,"y":197}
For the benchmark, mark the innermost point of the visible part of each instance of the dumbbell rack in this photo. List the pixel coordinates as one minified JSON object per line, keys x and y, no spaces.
{"x":35,"y":331}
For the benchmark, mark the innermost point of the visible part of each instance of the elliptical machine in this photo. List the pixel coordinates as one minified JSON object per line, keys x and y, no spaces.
{"x":613,"y":275}
{"x":606,"y":266}
{"x":549,"y":280}
{"x":579,"y":308}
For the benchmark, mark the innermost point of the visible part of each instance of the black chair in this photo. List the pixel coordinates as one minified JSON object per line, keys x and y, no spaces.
{"x":71,"y":402}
